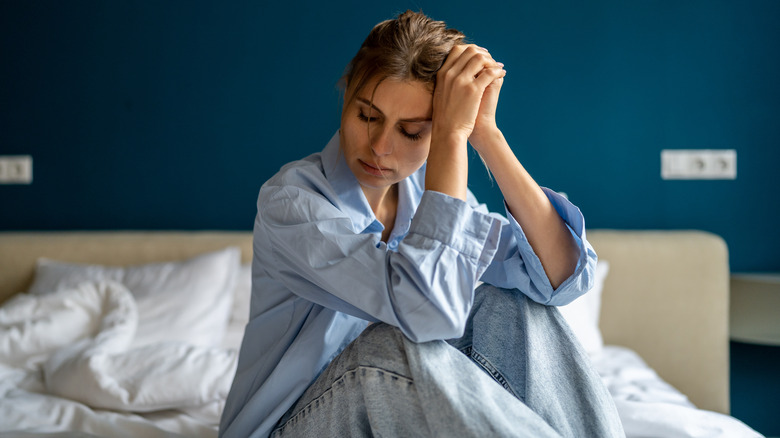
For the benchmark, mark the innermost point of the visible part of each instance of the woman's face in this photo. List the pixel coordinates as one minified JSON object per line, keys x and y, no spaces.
{"x":386,"y":142}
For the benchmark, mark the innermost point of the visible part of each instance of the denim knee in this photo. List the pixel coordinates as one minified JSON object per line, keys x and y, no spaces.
{"x":380,"y":346}
{"x":497,"y":295}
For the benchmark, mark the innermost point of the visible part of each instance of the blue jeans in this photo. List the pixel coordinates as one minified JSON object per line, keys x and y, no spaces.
{"x":516,"y":372}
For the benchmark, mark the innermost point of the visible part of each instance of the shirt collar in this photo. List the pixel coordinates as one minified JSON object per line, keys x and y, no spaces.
{"x":346,"y":186}
{"x":354,"y":203}
{"x":409,"y":194}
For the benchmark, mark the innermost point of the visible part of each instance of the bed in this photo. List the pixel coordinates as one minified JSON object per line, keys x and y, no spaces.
{"x":128,"y":333}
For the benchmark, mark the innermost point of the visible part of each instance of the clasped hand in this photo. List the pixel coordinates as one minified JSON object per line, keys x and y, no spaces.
{"x":466,"y":95}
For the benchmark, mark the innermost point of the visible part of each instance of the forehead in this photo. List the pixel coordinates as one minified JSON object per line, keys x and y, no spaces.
{"x":402,"y":99}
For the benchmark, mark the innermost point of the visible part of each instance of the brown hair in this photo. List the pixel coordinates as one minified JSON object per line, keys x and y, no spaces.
{"x":411,"y":46}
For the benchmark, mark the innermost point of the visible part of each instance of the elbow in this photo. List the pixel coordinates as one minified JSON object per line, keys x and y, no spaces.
{"x":588,"y":277}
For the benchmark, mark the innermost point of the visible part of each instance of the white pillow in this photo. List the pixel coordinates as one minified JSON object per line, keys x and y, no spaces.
{"x":187,"y":301}
{"x":239,"y":315}
{"x":582,"y":314}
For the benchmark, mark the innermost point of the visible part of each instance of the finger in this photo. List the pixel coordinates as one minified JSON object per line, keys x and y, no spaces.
{"x":495,"y":86}
{"x":488,"y":75}
{"x":471,"y":61}
{"x":452,"y":57}
{"x":477,"y":63}
{"x":459,"y":57}
{"x":496,"y":67}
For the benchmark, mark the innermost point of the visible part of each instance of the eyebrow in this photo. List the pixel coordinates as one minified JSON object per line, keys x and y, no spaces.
{"x":411,"y":120}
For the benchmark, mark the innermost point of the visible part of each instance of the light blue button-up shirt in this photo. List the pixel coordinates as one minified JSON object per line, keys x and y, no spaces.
{"x":320,"y":273}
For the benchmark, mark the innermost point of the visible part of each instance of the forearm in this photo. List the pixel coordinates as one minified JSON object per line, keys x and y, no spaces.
{"x":546,"y":231}
{"x":447,"y":166}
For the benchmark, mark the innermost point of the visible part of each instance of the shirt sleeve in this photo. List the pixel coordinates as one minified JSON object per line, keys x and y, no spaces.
{"x":425,"y":288}
{"x":516,"y":265}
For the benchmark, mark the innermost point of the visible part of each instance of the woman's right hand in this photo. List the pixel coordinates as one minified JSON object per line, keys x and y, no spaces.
{"x":460,"y":84}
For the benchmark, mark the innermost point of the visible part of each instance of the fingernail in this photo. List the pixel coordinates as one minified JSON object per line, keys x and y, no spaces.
{"x":500,"y":64}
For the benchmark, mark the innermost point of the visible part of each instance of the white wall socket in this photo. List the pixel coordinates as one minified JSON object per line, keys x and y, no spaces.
{"x":15,"y":169}
{"x":699,"y":164}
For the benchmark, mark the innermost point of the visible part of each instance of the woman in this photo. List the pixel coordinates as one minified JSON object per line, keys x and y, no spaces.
{"x":379,"y":227}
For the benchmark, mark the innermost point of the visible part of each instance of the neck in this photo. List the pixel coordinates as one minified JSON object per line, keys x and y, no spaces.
{"x":378,"y":197}
{"x":384,"y":204}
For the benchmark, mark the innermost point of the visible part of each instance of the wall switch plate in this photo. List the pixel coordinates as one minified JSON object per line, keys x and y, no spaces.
{"x":15,"y":169}
{"x":699,"y":164}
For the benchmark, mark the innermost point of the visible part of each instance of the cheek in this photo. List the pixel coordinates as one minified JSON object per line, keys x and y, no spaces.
{"x":351,"y":140}
{"x":417,"y":154}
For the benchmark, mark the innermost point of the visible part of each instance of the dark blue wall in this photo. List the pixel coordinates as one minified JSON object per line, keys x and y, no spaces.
{"x":166,"y":115}
{"x":170,"y":115}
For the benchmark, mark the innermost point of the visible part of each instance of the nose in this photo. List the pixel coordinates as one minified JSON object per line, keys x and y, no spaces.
{"x":380,"y":143}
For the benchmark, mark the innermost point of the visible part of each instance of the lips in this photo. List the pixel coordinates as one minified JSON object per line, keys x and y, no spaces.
{"x":373,"y":170}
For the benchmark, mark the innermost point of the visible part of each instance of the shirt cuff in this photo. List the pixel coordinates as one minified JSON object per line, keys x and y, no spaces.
{"x":571,"y":288}
{"x":567,"y":211}
{"x":454,"y":223}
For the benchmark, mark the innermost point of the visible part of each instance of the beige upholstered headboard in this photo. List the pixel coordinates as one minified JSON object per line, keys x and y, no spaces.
{"x":19,"y":251}
{"x":666,"y":295}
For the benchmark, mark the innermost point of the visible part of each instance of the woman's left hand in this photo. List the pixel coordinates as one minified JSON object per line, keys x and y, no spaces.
{"x":461,"y":85}
{"x":485,"y":123}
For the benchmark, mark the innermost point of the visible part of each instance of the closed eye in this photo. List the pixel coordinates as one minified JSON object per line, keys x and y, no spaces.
{"x":410,"y":136}
{"x":365,"y":118}
{"x":413,"y":137}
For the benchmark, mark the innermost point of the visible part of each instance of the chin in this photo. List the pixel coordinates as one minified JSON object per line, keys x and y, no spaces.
{"x":376,"y":183}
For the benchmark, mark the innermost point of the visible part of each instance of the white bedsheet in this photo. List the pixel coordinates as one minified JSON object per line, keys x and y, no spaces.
{"x":66,"y":364}
{"x":650,"y":407}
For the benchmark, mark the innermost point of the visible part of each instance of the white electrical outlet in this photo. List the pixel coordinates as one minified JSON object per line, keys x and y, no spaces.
{"x":699,"y":164}
{"x":15,"y":169}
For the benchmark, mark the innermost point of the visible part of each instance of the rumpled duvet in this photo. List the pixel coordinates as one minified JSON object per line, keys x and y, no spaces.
{"x":649,"y":407}
{"x":66,"y":364}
